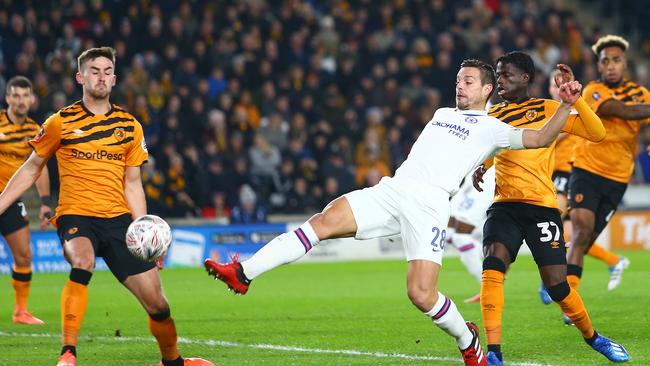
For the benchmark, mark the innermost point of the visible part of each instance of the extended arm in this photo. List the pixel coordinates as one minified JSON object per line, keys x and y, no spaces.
{"x":43,"y":188}
{"x":616,"y":108}
{"x":22,"y":179}
{"x":134,"y":192}
{"x":589,"y":124}
{"x":533,"y":139}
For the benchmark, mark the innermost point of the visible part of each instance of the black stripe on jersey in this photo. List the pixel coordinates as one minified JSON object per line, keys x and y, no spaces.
{"x":541,"y":117}
{"x":519,"y":106}
{"x":630,"y":98}
{"x":628,"y":87}
{"x":80,"y":118}
{"x":15,"y":139}
{"x":128,"y":139}
{"x":94,"y":136}
{"x":106,"y":122}
{"x":515,"y":117}
{"x":496,"y":109}
{"x":22,"y":130}
{"x":70,"y":114}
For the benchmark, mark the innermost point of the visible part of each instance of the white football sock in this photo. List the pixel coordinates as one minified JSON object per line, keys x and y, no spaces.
{"x":447,"y":317}
{"x":285,"y":248}
{"x":470,"y":254}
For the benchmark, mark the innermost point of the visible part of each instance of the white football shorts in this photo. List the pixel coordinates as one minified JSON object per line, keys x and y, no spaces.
{"x":469,"y":205}
{"x":417,"y":211}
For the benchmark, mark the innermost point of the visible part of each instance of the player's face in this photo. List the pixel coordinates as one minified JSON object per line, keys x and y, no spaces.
{"x":19,"y":100}
{"x":470,"y":92}
{"x":511,"y":81}
{"x":612,"y":64}
{"x":97,"y":77}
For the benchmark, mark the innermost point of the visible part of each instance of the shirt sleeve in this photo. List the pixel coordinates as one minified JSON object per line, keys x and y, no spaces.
{"x":508,"y":137}
{"x":48,"y":139}
{"x":137,"y":154}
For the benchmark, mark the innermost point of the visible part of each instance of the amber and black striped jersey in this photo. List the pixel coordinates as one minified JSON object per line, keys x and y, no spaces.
{"x":525,"y":175}
{"x":612,"y":158}
{"x":564,"y":152}
{"x":14,"y":146}
{"x":92,"y":152}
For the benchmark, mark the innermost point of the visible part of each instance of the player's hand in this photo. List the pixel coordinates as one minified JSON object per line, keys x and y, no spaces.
{"x":570,"y":92}
{"x":648,"y":149}
{"x":477,"y":177}
{"x":45,"y":214}
{"x":565,"y":75}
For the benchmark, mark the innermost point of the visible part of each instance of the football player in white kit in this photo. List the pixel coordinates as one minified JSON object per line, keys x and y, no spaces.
{"x":468,"y":213}
{"x":415,"y":201}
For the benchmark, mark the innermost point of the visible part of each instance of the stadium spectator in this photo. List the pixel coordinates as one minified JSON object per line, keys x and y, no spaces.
{"x":307,"y":63}
{"x":248,"y":210}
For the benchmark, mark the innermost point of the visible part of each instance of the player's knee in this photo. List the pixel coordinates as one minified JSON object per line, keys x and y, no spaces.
{"x":422,"y":297}
{"x":325,"y":224}
{"x":82,"y":262}
{"x":23,"y":258}
{"x":161,"y":315}
{"x":559,"y":292}
{"x":157,"y":307}
{"x":494,"y":263}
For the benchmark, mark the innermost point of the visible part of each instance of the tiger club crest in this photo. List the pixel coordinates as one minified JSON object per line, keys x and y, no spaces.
{"x":531,"y":114}
{"x":119,"y":134}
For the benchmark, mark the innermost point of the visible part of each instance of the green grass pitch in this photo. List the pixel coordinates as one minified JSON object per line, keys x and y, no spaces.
{"x":328,"y":314}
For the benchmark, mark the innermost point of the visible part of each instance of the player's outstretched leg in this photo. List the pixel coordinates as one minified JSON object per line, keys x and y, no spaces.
{"x":616,"y":272}
{"x":608,"y":348}
{"x":285,"y":248}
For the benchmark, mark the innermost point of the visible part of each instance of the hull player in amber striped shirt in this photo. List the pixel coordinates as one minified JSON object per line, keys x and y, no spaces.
{"x":525,"y":206}
{"x":99,"y":149}
{"x":564,"y":149}
{"x":602,"y":170}
{"x":16,"y":128}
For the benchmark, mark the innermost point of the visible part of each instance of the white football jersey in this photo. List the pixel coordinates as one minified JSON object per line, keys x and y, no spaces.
{"x":453,"y":144}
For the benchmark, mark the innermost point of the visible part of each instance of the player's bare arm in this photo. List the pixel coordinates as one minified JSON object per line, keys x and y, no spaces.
{"x":20,"y":182}
{"x":43,"y":188}
{"x":134,"y":192}
{"x":532,"y":139}
{"x":616,"y":108}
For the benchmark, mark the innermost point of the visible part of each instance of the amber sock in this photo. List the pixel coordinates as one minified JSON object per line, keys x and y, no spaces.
{"x":74,"y":301}
{"x":162,"y":327}
{"x":603,"y":254}
{"x":492,"y":300}
{"x":21,"y":279}
{"x":574,"y":308}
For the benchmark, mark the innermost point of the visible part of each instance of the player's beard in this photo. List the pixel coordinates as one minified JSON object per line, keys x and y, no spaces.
{"x":97,"y":93}
{"x":20,"y":112}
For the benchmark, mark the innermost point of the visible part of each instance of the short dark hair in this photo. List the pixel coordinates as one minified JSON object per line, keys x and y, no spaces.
{"x":93,"y":53}
{"x":521,"y":61}
{"x":488,"y":76}
{"x":610,"y":40}
{"x":19,"y":82}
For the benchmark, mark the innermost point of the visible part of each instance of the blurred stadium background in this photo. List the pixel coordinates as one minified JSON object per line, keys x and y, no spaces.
{"x":257,"y":113}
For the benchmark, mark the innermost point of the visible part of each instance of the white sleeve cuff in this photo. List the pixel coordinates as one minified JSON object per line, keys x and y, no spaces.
{"x":516,"y":139}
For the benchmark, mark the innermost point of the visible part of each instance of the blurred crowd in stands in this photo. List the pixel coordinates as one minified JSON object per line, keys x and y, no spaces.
{"x":256,"y":107}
